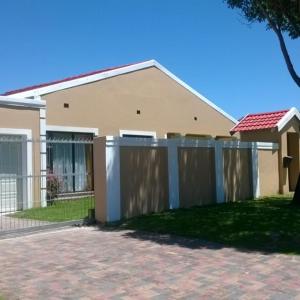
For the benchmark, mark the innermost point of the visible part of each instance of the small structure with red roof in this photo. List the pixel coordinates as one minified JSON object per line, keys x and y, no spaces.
{"x":260,"y":121}
{"x":280,"y":127}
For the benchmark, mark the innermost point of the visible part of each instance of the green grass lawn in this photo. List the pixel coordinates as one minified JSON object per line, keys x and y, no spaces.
{"x":59,"y":211}
{"x":271,"y":224}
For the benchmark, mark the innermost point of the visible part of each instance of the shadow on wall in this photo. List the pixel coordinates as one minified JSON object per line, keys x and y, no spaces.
{"x":196,"y":176}
{"x":144,"y":180}
{"x":237,"y":174}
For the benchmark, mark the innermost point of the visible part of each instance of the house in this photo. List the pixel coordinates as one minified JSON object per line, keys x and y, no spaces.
{"x":137,"y":100}
{"x":280,"y":127}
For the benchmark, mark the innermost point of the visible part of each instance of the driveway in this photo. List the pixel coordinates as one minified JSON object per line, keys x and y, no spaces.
{"x":87,"y":263}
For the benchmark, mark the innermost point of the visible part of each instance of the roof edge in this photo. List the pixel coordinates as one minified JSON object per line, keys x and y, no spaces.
{"x":232,"y":131}
{"x":23,"y":102}
{"x":193,"y":91}
{"x":293,"y":112}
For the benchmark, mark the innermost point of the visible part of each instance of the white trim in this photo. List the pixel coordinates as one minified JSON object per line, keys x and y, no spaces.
{"x":16,"y":131}
{"x":95,"y":131}
{"x":43,"y":157}
{"x":219,"y":172}
{"x":119,"y":71}
{"x":43,"y":113}
{"x":137,"y":132}
{"x":267,"y":146}
{"x":113,"y":189}
{"x":293,"y":112}
{"x":255,"y":171}
{"x":173,"y":173}
{"x":146,"y":142}
{"x":11,"y":101}
{"x":28,"y":134}
{"x":38,"y":97}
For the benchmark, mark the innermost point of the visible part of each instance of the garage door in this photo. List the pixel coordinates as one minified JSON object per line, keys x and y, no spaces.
{"x":11,"y":168}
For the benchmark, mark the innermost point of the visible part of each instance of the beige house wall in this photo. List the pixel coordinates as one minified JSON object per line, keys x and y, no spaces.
{"x":21,"y":118}
{"x":112,"y":104}
{"x":144,"y":180}
{"x":197,"y":184}
{"x":268,"y":172}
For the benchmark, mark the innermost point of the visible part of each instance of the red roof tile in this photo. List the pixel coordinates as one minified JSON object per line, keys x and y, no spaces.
{"x":259,"y":121}
{"x":28,"y":88}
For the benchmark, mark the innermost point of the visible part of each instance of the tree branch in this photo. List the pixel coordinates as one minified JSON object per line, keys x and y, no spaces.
{"x":283,"y":48}
{"x":286,"y":56}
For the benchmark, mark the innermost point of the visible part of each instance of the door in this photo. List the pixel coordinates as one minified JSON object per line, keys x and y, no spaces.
{"x":293,"y":151}
{"x":11,"y":179}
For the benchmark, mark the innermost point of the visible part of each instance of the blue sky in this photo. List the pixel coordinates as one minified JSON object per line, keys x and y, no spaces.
{"x":238,"y":67}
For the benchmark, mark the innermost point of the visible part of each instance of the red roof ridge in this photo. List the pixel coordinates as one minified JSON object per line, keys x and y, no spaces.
{"x":267,"y":113}
{"x":32,"y":87}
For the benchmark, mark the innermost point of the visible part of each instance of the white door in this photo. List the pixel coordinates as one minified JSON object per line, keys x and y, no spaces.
{"x":11,"y":173}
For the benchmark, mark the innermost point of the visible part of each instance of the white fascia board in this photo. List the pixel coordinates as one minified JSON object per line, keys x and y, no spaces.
{"x":96,"y":77}
{"x":14,"y":101}
{"x":293,"y":112}
{"x":95,"y":131}
{"x":84,"y":80}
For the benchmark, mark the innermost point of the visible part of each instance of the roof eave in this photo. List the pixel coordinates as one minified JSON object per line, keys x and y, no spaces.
{"x":22,"y":102}
{"x":293,"y":112}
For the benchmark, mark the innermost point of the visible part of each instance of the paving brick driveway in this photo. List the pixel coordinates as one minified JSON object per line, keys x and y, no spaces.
{"x":86,"y":263}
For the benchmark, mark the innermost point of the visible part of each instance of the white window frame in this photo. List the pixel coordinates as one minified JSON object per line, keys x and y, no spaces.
{"x":26,"y":158}
{"x":95,"y":131}
{"x":137,"y":132}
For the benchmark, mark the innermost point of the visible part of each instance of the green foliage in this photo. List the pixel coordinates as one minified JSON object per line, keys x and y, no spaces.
{"x":283,"y":15}
{"x":271,"y":224}
{"x":59,"y":211}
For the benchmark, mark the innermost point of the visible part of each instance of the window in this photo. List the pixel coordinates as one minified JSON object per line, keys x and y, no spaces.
{"x":138,"y":134}
{"x":70,"y":158}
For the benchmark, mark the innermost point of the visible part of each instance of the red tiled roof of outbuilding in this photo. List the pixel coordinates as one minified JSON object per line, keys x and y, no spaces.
{"x":259,"y":121}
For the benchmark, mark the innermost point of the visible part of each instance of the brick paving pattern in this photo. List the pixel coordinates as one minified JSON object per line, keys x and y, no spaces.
{"x":87,"y":263}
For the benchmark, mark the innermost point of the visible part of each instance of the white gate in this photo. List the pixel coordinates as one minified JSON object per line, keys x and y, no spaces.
{"x":8,"y":193}
{"x":11,"y":168}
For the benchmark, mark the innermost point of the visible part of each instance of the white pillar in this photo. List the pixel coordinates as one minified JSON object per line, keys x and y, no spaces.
{"x":255,"y":170}
{"x":173,"y":174}
{"x":219,"y":172}
{"x":113,"y":192}
{"x":43,"y":155}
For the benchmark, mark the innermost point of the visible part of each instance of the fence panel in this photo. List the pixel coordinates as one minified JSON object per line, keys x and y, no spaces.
{"x":133,"y":176}
{"x":237,"y":168}
{"x":197,"y":183}
{"x":144,"y":180}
